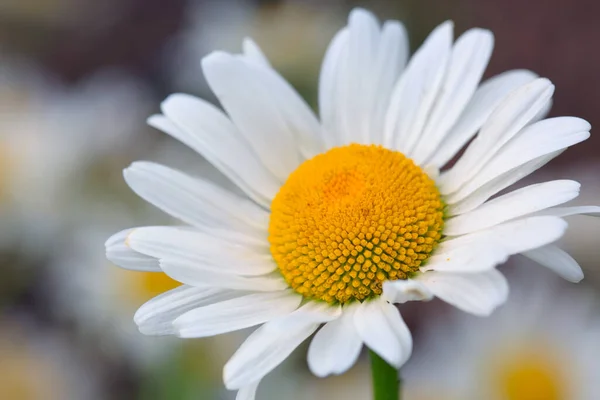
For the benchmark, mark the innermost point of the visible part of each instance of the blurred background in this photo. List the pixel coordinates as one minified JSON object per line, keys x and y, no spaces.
{"x":78,"y":78}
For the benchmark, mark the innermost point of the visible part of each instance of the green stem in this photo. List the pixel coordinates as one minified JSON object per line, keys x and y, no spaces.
{"x":386,"y":380}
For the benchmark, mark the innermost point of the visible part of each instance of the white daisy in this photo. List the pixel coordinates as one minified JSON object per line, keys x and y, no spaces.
{"x":347,"y":215}
{"x":543,"y":344}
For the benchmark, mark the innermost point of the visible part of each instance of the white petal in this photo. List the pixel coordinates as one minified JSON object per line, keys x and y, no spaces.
{"x":536,"y":140}
{"x":390,"y":60}
{"x":468,"y":61}
{"x":480,"y":195}
{"x":202,"y":251}
{"x":366,"y":71}
{"x":124,"y":256}
{"x":360,"y":68}
{"x":253,"y":110}
{"x":482,"y":254}
{"x":515,"y":111}
{"x":270,"y":344}
{"x":592,"y":211}
{"x":432,"y":171}
{"x":235,"y":314}
{"x":543,"y":113}
{"x":558,"y":261}
{"x":328,"y":86}
{"x":157,"y":241}
{"x":514,"y":204}
{"x":355,"y":94}
{"x":528,"y":233}
{"x":485,"y":249}
{"x":183,"y":271}
{"x":416,"y":90}
{"x":195,"y":201}
{"x":477,"y":294}
{"x":480,"y":107}
{"x":336,"y":346}
{"x":402,"y":291}
{"x":204,"y":128}
{"x":155,"y":317}
{"x":383,"y":330}
{"x":275,"y":121}
{"x":253,"y":53}
{"x":247,"y":392}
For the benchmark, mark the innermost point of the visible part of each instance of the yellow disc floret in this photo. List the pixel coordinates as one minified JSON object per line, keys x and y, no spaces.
{"x":349,"y":219}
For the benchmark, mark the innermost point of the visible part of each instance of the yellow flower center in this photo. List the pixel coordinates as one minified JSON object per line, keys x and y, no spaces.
{"x":531,"y":376}
{"x":349,"y":219}
{"x":139,"y":287}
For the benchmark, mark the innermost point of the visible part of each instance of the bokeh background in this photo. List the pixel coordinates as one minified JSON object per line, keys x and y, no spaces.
{"x":78,"y":78}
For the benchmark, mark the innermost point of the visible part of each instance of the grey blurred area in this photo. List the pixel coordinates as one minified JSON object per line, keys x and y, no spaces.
{"x":78,"y":78}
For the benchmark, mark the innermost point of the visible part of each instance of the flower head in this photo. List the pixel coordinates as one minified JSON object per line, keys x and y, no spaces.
{"x":347,"y":214}
{"x":541,"y":345}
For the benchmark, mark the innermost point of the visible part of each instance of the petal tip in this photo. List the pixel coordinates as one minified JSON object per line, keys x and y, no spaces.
{"x":215,"y":57}
{"x":358,"y":13}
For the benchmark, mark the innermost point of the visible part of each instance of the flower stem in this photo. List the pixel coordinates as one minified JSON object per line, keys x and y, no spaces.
{"x":386,"y":381}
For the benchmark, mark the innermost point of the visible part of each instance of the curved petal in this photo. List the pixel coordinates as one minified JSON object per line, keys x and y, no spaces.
{"x":514,"y":204}
{"x":478,"y":294}
{"x":482,"y":254}
{"x":513,"y":235}
{"x":390,"y":60}
{"x":275,"y":121}
{"x":202,"y":251}
{"x":537,"y":140}
{"x":194,"y":275}
{"x":402,"y":291}
{"x":247,"y":392}
{"x":557,"y":260}
{"x":235,"y":314}
{"x":495,"y":185}
{"x":195,"y":201}
{"x":124,"y":256}
{"x":416,"y":90}
{"x":357,"y":76}
{"x":204,"y":128}
{"x":328,"y":84}
{"x":515,"y":111}
{"x":354,"y":92}
{"x":336,"y":346}
{"x":485,"y":249}
{"x":591,"y":211}
{"x":270,"y":344}
{"x":383,"y":330}
{"x":470,"y":56}
{"x":156,"y":316}
{"x":253,"y":53}
{"x":480,"y":107}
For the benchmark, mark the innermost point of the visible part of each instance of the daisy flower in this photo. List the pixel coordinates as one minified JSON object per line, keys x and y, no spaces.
{"x":543,"y":344}
{"x":343,"y":216}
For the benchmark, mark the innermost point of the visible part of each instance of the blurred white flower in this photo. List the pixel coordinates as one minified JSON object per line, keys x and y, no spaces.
{"x":101,"y":298}
{"x":39,"y":364}
{"x":51,"y":139}
{"x":542,"y":344}
{"x":295,"y":32}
